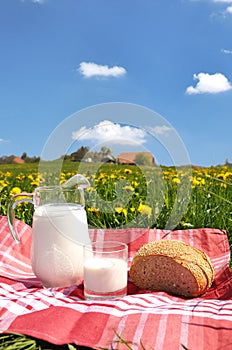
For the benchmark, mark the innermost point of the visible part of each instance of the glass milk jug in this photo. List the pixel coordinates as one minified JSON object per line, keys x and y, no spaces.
{"x":59,"y":231}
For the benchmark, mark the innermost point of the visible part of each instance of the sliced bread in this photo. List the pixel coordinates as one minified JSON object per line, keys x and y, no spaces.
{"x":172,"y":266}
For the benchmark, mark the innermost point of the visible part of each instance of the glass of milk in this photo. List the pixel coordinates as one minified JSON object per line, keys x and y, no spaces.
{"x":105,"y":270}
{"x":59,"y":233}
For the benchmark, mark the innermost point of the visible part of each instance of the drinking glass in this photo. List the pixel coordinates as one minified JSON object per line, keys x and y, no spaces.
{"x":105,"y":270}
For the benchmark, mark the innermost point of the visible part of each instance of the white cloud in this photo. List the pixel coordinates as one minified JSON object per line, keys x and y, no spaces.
{"x":107,"y":131}
{"x":91,"y":69}
{"x":3,"y":140}
{"x":160,"y":129}
{"x":227,"y":52}
{"x":35,"y":1}
{"x":223,"y":1}
{"x":209,"y":83}
{"x":227,"y":10}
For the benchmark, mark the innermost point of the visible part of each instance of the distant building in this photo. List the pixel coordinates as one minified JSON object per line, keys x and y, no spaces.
{"x":17,"y":160}
{"x":129,"y":158}
{"x":88,"y":160}
{"x":108,"y":159}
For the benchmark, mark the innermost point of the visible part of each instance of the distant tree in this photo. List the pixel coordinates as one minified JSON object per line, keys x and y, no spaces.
{"x":7,"y":159}
{"x":80,"y":153}
{"x":66,"y":157}
{"x":227,"y":163}
{"x":33,"y":159}
{"x":28,"y":159}
{"x":24,"y":156}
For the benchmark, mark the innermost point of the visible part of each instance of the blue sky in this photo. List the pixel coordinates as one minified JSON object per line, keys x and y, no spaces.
{"x":173,"y":57}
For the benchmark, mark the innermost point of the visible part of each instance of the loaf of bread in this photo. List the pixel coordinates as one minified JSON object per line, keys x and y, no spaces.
{"x":172,"y":266}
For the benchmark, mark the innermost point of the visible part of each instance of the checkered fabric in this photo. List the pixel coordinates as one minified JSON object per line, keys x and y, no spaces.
{"x":150,"y":320}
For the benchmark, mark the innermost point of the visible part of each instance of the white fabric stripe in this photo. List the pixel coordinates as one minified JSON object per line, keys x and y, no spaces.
{"x":120,"y":328}
{"x":138,"y":336}
{"x":157,"y":235}
{"x":35,"y":282}
{"x":221,"y":262}
{"x":4,"y":240}
{"x":17,"y":261}
{"x":180,"y":235}
{"x":118,"y":313}
{"x":191,"y":238}
{"x":142,"y":300}
{"x":7,"y":320}
{"x":15,"y":273}
{"x":215,"y":309}
{"x":4,"y":225}
{"x":8,"y":255}
{"x":161,"y":333}
{"x":14,"y":309}
{"x":221,"y":258}
{"x":150,"y":236}
{"x":100,"y":235}
{"x":184,"y":331}
{"x":220,"y":313}
{"x":22,"y":229}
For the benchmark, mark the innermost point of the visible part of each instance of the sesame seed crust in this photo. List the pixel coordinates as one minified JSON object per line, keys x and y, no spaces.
{"x":172,"y":266}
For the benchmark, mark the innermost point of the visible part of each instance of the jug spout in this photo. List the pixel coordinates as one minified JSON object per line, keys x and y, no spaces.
{"x":76,"y":180}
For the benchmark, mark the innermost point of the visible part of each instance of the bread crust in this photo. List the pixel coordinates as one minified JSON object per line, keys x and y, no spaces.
{"x":172,"y":266}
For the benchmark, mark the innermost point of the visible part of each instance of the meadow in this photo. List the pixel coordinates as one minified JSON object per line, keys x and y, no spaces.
{"x":127,"y":196}
{"x":131,"y":196}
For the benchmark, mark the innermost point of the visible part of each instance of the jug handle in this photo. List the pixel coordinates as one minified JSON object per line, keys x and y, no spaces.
{"x":13,"y":202}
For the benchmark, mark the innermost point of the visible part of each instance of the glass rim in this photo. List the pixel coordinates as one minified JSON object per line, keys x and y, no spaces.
{"x":102,"y":245}
{"x":55,"y":187}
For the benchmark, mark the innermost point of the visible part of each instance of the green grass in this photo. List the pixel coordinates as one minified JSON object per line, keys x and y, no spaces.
{"x":129,"y":196}
{"x":21,"y":342}
{"x":13,"y":341}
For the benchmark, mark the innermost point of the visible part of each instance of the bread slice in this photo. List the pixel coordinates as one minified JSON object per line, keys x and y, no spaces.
{"x":172,"y":266}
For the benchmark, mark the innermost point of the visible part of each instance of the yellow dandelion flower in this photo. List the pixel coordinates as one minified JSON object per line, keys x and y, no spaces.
{"x":224,"y":185}
{"x":228,"y":174}
{"x":35,"y":182}
{"x":197,"y":181}
{"x":90,"y":189}
{"x":8,"y":174}
{"x":94,"y":210}
{"x":20,"y":177}
{"x":121,"y":210}
{"x":221,"y":176}
{"x":129,"y":188}
{"x":15,"y":190}
{"x":100,"y":176}
{"x":3,"y":183}
{"x":202,"y":181}
{"x":176,"y":180}
{"x":145,"y":210}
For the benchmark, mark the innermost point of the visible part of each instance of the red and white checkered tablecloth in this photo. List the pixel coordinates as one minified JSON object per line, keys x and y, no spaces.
{"x":154,"y":319}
